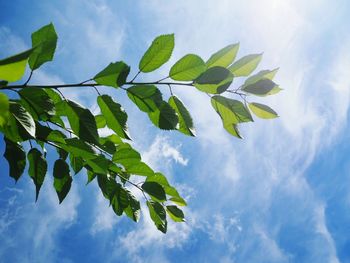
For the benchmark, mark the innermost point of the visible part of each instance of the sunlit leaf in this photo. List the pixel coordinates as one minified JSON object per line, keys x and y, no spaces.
{"x":13,"y":68}
{"x":165,"y":117}
{"x":146,"y":97}
{"x":158,"y":215}
{"x":44,"y":41}
{"x":158,"y":53}
{"x":175,"y":213}
{"x":113,"y":75}
{"x":262,"y":111}
{"x":4,"y":109}
{"x":260,"y":88}
{"x":215,"y":80}
{"x":224,"y":56}
{"x":185,"y":119}
{"x":187,"y":68}
{"x":245,"y":65}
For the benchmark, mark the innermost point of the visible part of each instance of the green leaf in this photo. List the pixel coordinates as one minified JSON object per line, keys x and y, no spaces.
{"x":245,"y":65}
{"x":231,"y":113}
{"x":133,"y":210}
{"x":158,"y":215}
{"x":76,"y":163}
{"x":114,"y":75}
{"x":154,"y":190}
{"x":37,"y":169}
{"x":99,"y":165}
{"x":4,"y":109}
{"x":13,"y":68}
{"x":262,"y":111}
{"x":260,"y":88}
{"x":91,"y":176}
{"x":158,"y":53}
{"x":165,"y":117}
{"x":44,"y":41}
{"x":39,"y":104}
{"x":62,"y":179}
{"x":54,"y":95}
{"x":82,"y":122}
{"x":215,"y":80}
{"x":175,"y":213}
{"x":263,"y":74}
{"x":23,"y":117}
{"x":100,"y":121}
{"x":16,"y":157}
{"x":146,"y":97}
{"x":224,"y":56}
{"x":114,"y":114}
{"x":187,"y":68}
{"x":79,"y":148}
{"x":179,"y":201}
{"x":131,"y":160}
{"x":185,"y":120}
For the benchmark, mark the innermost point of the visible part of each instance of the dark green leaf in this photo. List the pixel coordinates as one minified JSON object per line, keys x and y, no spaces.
{"x":114,"y":114}
{"x":262,"y":111}
{"x":224,"y":56}
{"x":245,"y":65}
{"x":76,"y":163}
{"x":263,"y":74}
{"x":13,"y":68}
{"x":62,"y":179}
{"x":158,"y":215}
{"x":134,"y":209}
{"x":82,"y":122}
{"x":38,"y":103}
{"x":155,"y":190}
{"x":175,"y":213}
{"x":187,"y":68}
{"x":146,"y":97}
{"x":185,"y":120}
{"x":113,"y":75}
{"x":16,"y":157}
{"x":215,"y":80}
{"x":165,"y":117}
{"x":260,"y":88}
{"x":158,"y":53}
{"x":91,"y":176}
{"x":79,"y":148}
{"x":99,"y":165}
{"x":44,"y":41}
{"x":37,"y":169}
{"x":23,"y":117}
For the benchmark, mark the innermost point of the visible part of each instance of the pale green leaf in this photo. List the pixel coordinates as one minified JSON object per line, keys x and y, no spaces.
{"x":224,"y":56}
{"x":185,"y":120}
{"x":187,"y":68}
{"x":214,"y":80}
{"x":245,"y":65}
{"x":113,"y":75}
{"x":13,"y":68}
{"x":262,"y":111}
{"x":158,"y":53}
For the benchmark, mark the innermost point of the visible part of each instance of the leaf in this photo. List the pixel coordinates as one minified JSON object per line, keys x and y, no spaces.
{"x":263,"y":74}
{"x":158,"y":53}
{"x":165,"y":117}
{"x":262,"y":111}
{"x":133,"y":210}
{"x":114,"y":75}
{"x":79,"y":148}
{"x":154,"y":190}
{"x":44,"y":41}
{"x":245,"y":65}
{"x":261,"y":87}
{"x":4,"y":109}
{"x":185,"y":120}
{"x":62,"y":179}
{"x":91,"y":177}
{"x":146,"y":97}
{"x":40,"y":105}
{"x":13,"y":68}
{"x":179,"y":201}
{"x":231,"y":113}
{"x":23,"y":117}
{"x":215,"y":80}
{"x":158,"y":215}
{"x":224,"y":56}
{"x":131,"y":160}
{"x":76,"y":163}
{"x":82,"y":122}
{"x":175,"y":213}
{"x":37,"y":169}
{"x":16,"y":157}
{"x":187,"y":68}
{"x":99,"y":165}
{"x":114,"y":114}
{"x":100,"y":121}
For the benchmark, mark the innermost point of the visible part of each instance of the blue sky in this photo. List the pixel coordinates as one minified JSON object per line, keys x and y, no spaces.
{"x":280,"y":195}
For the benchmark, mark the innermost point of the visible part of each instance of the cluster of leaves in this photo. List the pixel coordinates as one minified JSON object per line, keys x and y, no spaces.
{"x":38,"y":116}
